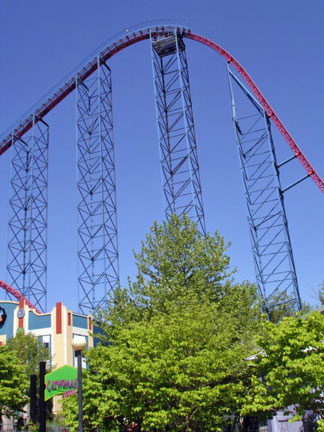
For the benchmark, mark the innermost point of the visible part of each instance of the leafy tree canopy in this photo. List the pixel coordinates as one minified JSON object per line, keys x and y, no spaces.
{"x":176,"y":339}
{"x":291,"y":364}
{"x":321,"y":294}
{"x":19,"y":358}
{"x":175,"y":262}
{"x":13,"y":383}
{"x":29,"y":350}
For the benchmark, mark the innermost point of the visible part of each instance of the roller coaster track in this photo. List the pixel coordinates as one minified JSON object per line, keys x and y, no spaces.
{"x":130,"y":39}
{"x":17,"y":295}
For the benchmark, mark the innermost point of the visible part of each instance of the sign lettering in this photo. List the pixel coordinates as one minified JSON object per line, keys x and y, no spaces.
{"x":61,"y":380}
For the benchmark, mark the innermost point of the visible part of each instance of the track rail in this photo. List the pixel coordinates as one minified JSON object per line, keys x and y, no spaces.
{"x":17,"y":295}
{"x":131,"y":39}
{"x":284,"y":132}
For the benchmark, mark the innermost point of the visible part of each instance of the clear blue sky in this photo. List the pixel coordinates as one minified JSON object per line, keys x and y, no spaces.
{"x":280,"y":43}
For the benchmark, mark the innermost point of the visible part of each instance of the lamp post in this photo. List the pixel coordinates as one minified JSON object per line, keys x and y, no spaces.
{"x":79,"y":344}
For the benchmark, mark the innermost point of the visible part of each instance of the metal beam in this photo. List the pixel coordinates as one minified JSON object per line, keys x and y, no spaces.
{"x":271,"y":245}
{"x":97,"y":227}
{"x":175,"y":125}
{"x":27,"y":237}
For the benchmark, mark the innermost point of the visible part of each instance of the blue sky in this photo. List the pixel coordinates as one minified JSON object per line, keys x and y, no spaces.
{"x":280,"y":43}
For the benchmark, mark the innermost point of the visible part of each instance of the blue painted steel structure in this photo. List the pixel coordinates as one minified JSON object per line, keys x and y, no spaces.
{"x":98,"y":246}
{"x":27,"y":236}
{"x":97,"y":229}
{"x":175,"y":125}
{"x":271,"y":245}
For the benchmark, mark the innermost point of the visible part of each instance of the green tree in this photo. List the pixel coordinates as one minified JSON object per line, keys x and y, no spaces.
{"x":291,"y":364}
{"x":13,"y":383}
{"x":321,"y":294}
{"x":281,"y":305}
{"x":307,"y":308}
{"x":29,"y":350}
{"x":175,"y":260}
{"x":175,"y":341}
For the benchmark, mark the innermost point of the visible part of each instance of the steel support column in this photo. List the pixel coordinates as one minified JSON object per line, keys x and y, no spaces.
{"x":271,"y":245}
{"x":175,"y":125}
{"x":97,"y":228}
{"x":27,"y":237}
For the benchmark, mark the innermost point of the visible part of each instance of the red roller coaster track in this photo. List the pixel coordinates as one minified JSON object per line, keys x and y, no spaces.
{"x":17,"y":295}
{"x":131,"y":39}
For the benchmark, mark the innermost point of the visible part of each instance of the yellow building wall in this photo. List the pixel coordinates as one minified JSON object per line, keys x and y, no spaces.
{"x":58,"y":335}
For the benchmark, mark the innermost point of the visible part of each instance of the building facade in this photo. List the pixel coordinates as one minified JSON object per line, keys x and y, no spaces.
{"x":56,"y":329}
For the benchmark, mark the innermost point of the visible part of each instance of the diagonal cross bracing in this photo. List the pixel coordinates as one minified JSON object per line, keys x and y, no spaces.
{"x":175,"y":125}
{"x":97,"y":226}
{"x":271,"y":246}
{"x":27,"y":231}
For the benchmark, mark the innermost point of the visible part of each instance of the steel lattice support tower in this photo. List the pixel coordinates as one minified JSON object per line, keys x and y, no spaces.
{"x":97,"y":229}
{"x":271,"y":246}
{"x":175,"y":125}
{"x":27,"y":236}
